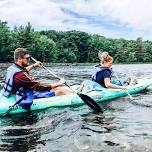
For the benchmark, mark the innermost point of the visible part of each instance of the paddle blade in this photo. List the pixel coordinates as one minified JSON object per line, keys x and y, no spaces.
{"x":90,"y":102}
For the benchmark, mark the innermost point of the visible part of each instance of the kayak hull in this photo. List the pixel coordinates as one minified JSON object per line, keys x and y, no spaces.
{"x":72,"y":99}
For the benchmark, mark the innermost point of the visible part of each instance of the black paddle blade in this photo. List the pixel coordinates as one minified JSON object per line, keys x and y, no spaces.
{"x":90,"y":102}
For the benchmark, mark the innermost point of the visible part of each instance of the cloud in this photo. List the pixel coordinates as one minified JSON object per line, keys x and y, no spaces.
{"x":134,"y":16}
{"x":39,"y":13}
{"x":117,"y":18}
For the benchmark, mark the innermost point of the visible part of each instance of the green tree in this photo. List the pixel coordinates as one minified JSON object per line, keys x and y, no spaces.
{"x":4,"y":42}
{"x":140,"y":51}
{"x":46,"y":49}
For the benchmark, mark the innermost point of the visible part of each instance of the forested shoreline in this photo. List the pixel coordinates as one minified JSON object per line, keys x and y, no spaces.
{"x":70,"y":46}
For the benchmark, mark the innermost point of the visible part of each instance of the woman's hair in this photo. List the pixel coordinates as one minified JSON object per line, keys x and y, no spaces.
{"x":104,"y":57}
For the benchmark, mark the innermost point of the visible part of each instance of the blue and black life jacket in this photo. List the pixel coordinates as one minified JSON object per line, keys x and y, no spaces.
{"x":23,"y":94}
{"x":96,"y":70}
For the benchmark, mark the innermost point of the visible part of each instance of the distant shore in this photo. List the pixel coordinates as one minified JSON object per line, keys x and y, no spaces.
{"x":68,"y":64}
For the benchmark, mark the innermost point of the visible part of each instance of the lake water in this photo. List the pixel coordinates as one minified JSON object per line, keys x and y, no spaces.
{"x":122,"y":127}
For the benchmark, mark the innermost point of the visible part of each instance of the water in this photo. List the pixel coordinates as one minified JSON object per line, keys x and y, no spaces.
{"x":122,"y":127}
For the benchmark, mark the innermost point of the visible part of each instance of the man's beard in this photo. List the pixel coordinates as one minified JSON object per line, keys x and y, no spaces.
{"x":25,"y":65}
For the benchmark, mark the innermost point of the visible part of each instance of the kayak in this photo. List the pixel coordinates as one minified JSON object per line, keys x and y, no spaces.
{"x":99,"y":94}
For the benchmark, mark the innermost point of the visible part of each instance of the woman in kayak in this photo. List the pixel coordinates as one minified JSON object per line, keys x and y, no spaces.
{"x":19,"y":82}
{"x":102,"y":73}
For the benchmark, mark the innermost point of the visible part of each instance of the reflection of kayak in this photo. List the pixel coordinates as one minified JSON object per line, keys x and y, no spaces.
{"x":98,"y":95}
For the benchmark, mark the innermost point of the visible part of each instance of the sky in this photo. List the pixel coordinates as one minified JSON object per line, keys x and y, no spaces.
{"x":128,"y":19}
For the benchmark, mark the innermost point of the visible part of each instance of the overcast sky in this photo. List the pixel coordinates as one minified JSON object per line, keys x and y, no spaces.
{"x":127,"y":19}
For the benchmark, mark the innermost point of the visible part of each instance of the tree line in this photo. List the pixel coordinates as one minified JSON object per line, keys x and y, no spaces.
{"x":71,"y":46}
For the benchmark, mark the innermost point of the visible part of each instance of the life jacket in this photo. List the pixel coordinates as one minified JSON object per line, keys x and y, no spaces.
{"x":96,"y":70}
{"x":23,"y":94}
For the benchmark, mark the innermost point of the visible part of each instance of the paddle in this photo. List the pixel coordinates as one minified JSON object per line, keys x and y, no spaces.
{"x":122,"y":85}
{"x":11,"y":107}
{"x":88,"y":100}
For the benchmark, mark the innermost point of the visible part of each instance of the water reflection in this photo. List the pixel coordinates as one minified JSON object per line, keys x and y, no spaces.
{"x":17,"y":133}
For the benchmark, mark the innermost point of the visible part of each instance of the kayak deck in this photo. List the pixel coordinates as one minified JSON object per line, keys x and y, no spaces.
{"x":101,"y":95}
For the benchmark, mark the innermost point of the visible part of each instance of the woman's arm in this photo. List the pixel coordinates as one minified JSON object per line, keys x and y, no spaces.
{"x":108,"y":84}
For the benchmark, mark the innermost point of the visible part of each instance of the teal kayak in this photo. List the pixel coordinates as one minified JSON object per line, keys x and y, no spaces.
{"x":98,"y":94}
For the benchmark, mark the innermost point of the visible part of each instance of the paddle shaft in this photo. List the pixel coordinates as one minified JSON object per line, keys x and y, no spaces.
{"x":11,"y":107}
{"x":53,"y":74}
{"x":88,"y":100}
{"x":46,"y":69}
{"x":123,"y":85}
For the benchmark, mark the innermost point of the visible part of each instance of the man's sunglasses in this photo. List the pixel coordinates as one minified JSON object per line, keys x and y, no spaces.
{"x":27,"y":58}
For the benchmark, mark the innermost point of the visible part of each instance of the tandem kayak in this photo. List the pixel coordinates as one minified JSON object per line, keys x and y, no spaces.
{"x":98,"y":94}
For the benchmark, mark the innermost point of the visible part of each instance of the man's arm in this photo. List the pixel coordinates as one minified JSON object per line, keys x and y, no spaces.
{"x":30,"y":67}
{"x":23,"y":79}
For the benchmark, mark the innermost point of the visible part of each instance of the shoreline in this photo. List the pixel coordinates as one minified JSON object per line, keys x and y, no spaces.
{"x":71,"y":64}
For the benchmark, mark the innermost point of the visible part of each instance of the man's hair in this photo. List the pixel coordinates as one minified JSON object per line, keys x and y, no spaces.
{"x":19,"y":53}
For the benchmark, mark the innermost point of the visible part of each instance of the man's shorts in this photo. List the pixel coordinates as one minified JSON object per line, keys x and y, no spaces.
{"x":43,"y":94}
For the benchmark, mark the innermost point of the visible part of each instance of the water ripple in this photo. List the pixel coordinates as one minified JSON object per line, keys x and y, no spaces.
{"x":123,"y":126}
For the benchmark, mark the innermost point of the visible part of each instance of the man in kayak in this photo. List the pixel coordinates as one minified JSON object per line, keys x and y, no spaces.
{"x":102,"y":73}
{"x":19,"y":82}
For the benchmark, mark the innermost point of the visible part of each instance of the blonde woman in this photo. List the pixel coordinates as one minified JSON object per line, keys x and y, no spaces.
{"x":102,"y":73}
